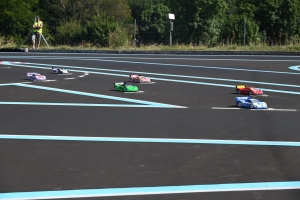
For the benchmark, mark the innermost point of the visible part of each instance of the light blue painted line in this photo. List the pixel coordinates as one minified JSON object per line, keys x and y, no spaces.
{"x":193,"y":66}
{"x":224,"y":85}
{"x":82,"y":104}
{"x":206,"y":83}
{"x":95,"y":95}
{"x":280,"y":91}
{"x":7,"y":84}
{"x":171,"y":57}
{"x":151,"y":140}
{"x":183,"y":189}
{"x":170,"y":75}
{"x":83,"y":71}
{"x":295,"y":68}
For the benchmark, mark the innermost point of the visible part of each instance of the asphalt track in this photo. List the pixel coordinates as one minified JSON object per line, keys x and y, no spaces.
{"x":74,"y":137}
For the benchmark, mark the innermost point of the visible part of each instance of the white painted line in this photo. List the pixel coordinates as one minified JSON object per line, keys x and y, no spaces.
{"x":135,"y":92}
{"x":70,"y":78}
{"x":256,"y":95}
{"x":85,"y":74}
{"x":274,"y":109}
{"x":163,"y":79}
{"x":65,"y":74}
{"x":268,"y":109}
{"x":148,"y":83}
{"x":25,"y":82}
{"x":49,"y":80}
{"x":225,"y":108}
{"x":4,"y":67}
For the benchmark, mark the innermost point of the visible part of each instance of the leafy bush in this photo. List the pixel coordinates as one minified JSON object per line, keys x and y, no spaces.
{"x":233,"y":31}
{"x":118,"y":38}
{"x":69,"y":33}
{"x":98,"y":30}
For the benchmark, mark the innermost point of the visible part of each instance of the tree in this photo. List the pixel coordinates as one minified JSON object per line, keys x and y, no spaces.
{"x":17,"y":17}
{"x":201,"y":20}
{"x":154,"y":24}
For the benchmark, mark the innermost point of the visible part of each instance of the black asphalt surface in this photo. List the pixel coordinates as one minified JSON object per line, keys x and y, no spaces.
{"x":36,"y":165}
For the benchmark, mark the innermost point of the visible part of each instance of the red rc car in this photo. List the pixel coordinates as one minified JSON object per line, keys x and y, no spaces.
{"x":248,"y":90}
{"x":139,"y":79}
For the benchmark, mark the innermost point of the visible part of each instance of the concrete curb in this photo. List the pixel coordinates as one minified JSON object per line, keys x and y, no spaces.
{"x":153,"y":52}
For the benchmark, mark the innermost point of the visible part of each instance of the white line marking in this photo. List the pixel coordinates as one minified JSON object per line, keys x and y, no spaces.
{"x":25,"y":82}
{"x":225,"y":108}
{"x":148,"y":83}
{"x":70,"y":78}
{"x":274,"y":109}
{"x":85,"y":74}
{"x":65,"y":74}
{"x":4,"y":67}
{"x":171,"y":75}
{"x":5,"y":84}
{"x":268,"y":109}
{"x":135,"y":92}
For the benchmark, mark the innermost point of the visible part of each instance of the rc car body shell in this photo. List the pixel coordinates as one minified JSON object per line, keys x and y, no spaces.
{"x":139,"y":79}
{"x":247,"y":102}
{"x":30,"y":74}
{"x":123,"y":87}
{"x":59,"y":70}
{"x":37,"y":77}
{"x":248,"y":90}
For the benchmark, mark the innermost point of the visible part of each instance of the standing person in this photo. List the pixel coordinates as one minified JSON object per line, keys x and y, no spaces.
{"x":37,"y":33}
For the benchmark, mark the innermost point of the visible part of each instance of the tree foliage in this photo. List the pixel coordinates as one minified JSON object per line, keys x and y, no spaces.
{"x":110,"y":23}
{"x":17,"y":17}
{"x":154,"y":20}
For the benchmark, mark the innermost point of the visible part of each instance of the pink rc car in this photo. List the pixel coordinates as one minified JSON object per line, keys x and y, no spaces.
{"x":139,"y":79}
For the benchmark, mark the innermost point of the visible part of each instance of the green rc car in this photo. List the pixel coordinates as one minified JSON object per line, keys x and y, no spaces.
{"x":123,"y":87}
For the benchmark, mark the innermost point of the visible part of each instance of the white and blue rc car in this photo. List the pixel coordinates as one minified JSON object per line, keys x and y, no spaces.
{"x":247,"y":102}
{"x":59,"y":70}
{"x":33,"y":76}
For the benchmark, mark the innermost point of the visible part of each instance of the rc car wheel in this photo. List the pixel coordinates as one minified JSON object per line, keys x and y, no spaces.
{"x":239,"y":91}
{"x":124,"y":90}
{"x":239,"y":104}
{"x":250,"y":92}
{"x":251,"y":106}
